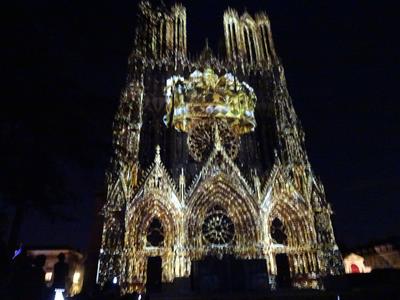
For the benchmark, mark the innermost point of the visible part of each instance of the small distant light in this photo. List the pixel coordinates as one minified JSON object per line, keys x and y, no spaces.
{"x":115,"y":280}
{"x":48,"y":276}
{"x":76,"y":277}
{"x":59,"y":294}
{"x":139,"y":297}
{"x":101,"y":251}
{"x":17,"y":252}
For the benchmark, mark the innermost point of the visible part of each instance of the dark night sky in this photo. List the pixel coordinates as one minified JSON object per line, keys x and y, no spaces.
{"x":66,"y":63}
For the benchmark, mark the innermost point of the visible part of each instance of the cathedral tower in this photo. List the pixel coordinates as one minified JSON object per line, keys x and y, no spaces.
{"x":210,"y":160}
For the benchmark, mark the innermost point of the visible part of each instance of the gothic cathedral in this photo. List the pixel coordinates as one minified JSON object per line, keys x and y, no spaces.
{"x":210,"y":160}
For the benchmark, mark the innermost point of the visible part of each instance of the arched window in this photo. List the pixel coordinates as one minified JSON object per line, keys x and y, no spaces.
{"x":164,"y":38}
{"x":264,"y":39}
{"x":155,"y":233}
{"x":278,"y":232}
{"x":218,"y":228}
{"x":247,"y":45}
{"x":253,"y":46}
{"x":235,"y":46}
{"x":158,"y":34}
{"x":178,"y":34}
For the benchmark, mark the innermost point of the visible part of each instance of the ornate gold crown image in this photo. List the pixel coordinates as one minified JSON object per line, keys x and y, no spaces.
{"x":206,"y":96}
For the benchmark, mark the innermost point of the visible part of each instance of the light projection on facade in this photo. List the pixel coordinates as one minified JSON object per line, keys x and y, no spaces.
{"x":210,"y":159}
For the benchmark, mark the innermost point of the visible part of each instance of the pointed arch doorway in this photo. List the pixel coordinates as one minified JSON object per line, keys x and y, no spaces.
{"x":283,"y":271}
{"x":154,"y":274}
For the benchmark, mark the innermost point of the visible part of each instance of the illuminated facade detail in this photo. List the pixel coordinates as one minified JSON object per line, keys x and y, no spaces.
{"x":206,"y":96}
{"x":210,"y":159}
{"x":248,"y":39}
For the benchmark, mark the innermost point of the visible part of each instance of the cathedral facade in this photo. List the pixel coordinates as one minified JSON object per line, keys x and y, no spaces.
{"x":210,"y":160}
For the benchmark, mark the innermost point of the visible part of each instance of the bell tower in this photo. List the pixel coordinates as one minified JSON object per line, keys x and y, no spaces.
{"x":161,"y":32}
{"x":248,"y":38}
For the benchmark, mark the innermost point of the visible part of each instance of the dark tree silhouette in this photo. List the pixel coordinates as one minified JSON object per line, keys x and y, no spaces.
{"x":30,"y":176}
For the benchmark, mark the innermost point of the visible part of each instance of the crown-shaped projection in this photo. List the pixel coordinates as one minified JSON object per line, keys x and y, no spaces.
{"x":204,"y":96}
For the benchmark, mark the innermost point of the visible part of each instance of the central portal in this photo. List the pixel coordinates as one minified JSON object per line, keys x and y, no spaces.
{"x":229,"y":274}
{"x":154,"y":272}
{"x":283,"y":276}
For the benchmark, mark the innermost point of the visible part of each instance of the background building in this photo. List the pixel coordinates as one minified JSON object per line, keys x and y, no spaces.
{"x":75,"y":261}
{"x":375,"y":256}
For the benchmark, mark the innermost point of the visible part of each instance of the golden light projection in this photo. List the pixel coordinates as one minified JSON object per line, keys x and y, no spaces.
{"x":210,"y":160}
{"x":204,"y":96}
{"x":205,"y":100}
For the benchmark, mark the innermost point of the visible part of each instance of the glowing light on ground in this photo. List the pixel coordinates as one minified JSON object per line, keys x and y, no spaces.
{"x":59,"y":294}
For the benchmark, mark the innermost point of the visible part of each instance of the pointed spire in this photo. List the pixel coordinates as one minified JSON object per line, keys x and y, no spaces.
{"x":157,"y":158}
{"x":206,"y":54}
{"x":182,"y":177}
{"x":257,"y":183}
{"x":182,"y":185}
{"x":217,"y":139}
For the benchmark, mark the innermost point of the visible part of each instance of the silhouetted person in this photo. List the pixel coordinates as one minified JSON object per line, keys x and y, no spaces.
{"x":133,"y":296}
{"x":21,"y":274}
{"x":60,"y":273}
{"x":38,"y":283}
{"x":4,"y":264}
{"x":109,"y":291}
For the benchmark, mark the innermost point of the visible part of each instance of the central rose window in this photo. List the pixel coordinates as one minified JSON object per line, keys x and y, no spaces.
{"x":218,"y":228}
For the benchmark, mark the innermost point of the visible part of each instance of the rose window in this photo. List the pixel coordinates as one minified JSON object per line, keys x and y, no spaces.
{"x":218,"y":228}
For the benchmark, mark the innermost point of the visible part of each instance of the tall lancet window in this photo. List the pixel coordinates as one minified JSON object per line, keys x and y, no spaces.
{"x":155,"y":233}
{"x":278,"y":232}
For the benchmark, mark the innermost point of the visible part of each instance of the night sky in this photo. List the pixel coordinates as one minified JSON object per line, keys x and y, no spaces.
{"x":66,"y":62}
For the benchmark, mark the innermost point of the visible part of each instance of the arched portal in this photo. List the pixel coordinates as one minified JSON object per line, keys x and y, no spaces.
{"x":152,"y":228}
{"x":220,"y":199}
{"x":290,"y":236}
{"x":224,"y":236}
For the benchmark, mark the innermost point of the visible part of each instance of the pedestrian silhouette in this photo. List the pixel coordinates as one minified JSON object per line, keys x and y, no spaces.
{"x":21,"y":271}
{"x":4,"y":264}
{"x":61,"y":269}
{"x":38,"y":283}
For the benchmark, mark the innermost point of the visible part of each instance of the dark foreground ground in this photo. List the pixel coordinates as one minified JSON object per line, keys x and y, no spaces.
{"x":379,"y":285}
{"x":390,"y":293}
{"x":386,"y":294}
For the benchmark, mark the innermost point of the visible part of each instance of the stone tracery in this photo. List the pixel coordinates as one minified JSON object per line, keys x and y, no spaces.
{"x":196,"y":196}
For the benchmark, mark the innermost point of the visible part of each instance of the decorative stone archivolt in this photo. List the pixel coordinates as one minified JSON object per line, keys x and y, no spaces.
{"x":138,"y":224}
{"x":241,"y":209}
{"x":297,"y":222}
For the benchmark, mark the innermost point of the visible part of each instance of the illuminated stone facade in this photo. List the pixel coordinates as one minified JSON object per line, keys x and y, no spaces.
{"x":210,"y":159}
